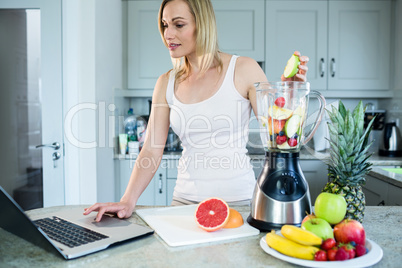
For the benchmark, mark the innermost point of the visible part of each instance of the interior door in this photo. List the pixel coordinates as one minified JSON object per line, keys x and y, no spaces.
{"x":31,"y":109}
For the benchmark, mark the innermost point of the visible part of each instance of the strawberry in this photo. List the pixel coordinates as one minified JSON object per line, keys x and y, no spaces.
{"x":320,"y":255}
{"x":281,"y":139}
{"x":331,"y":253}
{"x":350,"y":250}
{"x":327,"y":244}
{"x":292,"y":142}
{"x":360,"y":250}
{"x":341,"y":255}
{"x":280,"y":102}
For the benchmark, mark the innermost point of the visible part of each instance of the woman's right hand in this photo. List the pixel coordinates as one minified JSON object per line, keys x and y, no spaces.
{"x":121,"y":209}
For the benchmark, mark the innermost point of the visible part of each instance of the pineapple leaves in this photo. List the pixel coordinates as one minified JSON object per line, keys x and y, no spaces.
{"x":342,"y":109}
{"x":358,"y":116}
{"x":349,"y":143}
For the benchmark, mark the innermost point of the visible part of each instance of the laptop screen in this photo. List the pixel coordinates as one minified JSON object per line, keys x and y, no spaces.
{"x":14,"y":220}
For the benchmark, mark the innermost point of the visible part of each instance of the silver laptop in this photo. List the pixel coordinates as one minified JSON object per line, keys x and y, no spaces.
{"x":68,"y":233}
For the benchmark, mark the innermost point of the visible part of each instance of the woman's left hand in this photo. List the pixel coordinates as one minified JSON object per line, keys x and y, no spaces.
{"x":301,"y":73}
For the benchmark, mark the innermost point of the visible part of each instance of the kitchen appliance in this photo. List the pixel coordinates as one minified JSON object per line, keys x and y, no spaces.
{"x":377,"y":127}
{"x":391,"y":142}
{"x":281,"y":195}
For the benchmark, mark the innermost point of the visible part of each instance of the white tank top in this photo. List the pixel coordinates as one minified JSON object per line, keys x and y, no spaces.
{"x":214,"y":134}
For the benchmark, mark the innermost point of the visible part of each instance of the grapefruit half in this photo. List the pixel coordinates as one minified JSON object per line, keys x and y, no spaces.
{"x":235,"y":219}
{"x":212,"y":214}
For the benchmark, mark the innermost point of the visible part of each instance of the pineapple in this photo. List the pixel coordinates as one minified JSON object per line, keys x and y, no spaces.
{"x":348,"y":163}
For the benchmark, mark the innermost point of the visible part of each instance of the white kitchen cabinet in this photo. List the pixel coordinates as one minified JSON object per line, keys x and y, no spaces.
{"x":171,"y":178}
{"x":155,"y":194}
{"x":147,"y":56}
{"x":348,"y":43}
{"x":240,"y":31}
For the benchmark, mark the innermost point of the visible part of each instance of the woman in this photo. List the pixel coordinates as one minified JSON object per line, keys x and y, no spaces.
{"x":207,"y":100}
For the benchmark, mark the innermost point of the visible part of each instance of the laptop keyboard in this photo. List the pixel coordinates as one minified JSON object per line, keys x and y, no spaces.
{"x":68,"y":233}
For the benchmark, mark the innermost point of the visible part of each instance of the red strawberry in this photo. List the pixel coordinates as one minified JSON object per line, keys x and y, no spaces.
{"x":281,"y":139}
{"x":320,"y":255}
{"x":327,"y":244}
{"x":360,"y":250}
{"x":341,"y":255}
{"x":350,"y":250}
{"x":331,"y":253}
{"x":292,"y":142}
{"x":280,"y":102}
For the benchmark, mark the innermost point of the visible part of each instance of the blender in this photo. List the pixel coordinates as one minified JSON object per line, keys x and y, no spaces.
{"x":281,"y":195}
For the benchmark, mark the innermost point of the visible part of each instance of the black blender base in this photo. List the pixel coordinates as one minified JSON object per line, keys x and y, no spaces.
{"x":265,"y":226}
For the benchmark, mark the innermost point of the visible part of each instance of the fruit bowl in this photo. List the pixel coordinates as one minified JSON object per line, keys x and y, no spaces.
{"x":372,"y":257}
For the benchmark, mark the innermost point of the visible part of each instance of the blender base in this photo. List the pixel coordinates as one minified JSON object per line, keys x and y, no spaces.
{"x":265,"y":226}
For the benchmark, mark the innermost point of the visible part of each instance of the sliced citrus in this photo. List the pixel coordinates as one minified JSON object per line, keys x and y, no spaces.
{"x":279,"y":113}
{"x":235,"y":219}
{"x":212,"y":214}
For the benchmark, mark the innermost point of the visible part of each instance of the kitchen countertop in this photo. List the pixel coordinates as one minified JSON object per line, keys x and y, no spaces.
{"x":387,"y":176}
{"x":382,"y":225}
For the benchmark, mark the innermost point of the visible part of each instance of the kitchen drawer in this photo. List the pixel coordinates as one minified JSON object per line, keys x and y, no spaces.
{"x":394,"y":196}
{"x":375,"y":191}
{"x":172,"y":169}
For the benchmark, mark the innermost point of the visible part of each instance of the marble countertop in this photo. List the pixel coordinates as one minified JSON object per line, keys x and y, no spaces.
{"x":382,"y":225}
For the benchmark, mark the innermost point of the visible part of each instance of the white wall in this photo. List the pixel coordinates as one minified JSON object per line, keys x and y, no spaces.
{"x":92,"y":67}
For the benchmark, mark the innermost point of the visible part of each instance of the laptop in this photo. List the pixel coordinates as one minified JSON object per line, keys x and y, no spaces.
{"x":79,"y":235}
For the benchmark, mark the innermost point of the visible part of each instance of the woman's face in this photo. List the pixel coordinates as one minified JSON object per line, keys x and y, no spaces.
{"x":179,"y":29}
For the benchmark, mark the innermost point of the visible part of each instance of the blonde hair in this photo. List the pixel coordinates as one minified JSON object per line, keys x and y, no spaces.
{"x":206,"y":38}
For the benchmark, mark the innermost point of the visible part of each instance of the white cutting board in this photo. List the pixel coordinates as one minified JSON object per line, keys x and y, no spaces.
{"x":177,"y":226}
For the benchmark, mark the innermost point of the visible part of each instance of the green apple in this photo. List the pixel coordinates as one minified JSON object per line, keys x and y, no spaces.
{"x":319,"y":227}
{"x":292,"y":66}
{"x":330,"y":207}
{"x":292,"y":125}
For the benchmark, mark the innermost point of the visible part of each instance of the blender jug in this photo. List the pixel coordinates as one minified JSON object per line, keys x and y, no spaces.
{"x":281,"y":195}
{"x":282,"y":111}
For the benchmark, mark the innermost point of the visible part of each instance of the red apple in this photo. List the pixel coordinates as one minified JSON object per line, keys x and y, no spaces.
{"x":350,"y":230}
{"x":308,"y":217}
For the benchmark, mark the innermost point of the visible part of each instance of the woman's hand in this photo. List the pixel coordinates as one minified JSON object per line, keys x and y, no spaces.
{"x":301,"y":74}
{"x":121,"y":209}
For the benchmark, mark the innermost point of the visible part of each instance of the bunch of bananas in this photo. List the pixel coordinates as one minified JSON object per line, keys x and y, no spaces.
{"x":295,"y":242}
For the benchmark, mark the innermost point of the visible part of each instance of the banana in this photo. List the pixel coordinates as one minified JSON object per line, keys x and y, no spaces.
{"x":300,"y":235}
{"x":290,"y":248}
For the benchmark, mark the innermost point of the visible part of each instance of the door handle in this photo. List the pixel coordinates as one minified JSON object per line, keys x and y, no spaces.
{"x":160,"y":183}
{"x":333,"y":67}
{"x":54,"y":145}
{"x":322,"y":67}
{"x":56,"y":156}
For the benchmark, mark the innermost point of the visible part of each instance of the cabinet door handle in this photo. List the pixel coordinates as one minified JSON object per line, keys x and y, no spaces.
{"x":333,"y":67}
{"x":322,"y":67}
{"x":160,"y":183}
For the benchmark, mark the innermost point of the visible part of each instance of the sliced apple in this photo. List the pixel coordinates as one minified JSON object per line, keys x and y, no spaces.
{"x":291,"y":67}
{"x":292,"y":126}
{"x":300,"y":110}
{"x":284,"y":146}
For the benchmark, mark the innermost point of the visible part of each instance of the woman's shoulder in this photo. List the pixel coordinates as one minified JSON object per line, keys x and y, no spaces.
{"x":161,"y":85}
{"x":246,"y":63}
